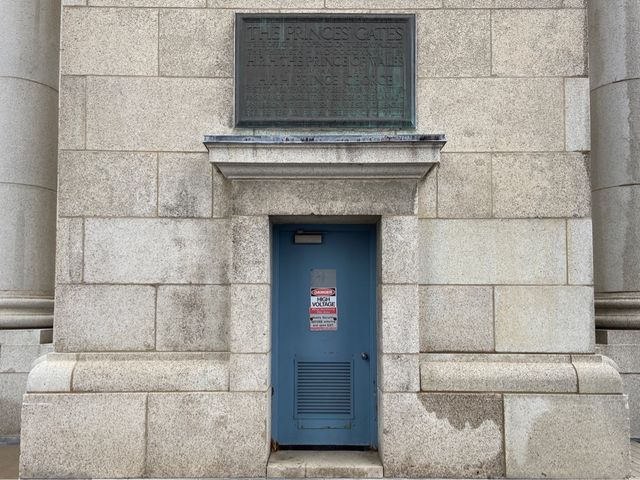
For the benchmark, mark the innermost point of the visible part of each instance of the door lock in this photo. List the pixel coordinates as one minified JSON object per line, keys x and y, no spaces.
{"x":364,"y":356}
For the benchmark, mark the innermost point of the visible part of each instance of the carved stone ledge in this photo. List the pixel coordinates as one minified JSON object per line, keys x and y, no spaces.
{"x":326,"y":156}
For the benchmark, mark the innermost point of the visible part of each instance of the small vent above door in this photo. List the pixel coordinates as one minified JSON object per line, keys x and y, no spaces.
{"x":324,"y":389}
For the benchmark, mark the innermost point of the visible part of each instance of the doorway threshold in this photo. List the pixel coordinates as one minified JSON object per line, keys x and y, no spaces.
{"x":324,"y":464}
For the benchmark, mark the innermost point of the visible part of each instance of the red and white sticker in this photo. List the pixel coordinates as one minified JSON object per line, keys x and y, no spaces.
{"x":323,"y":310}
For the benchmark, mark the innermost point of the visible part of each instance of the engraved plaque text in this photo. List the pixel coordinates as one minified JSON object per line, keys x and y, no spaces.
{"x":325,"y":70}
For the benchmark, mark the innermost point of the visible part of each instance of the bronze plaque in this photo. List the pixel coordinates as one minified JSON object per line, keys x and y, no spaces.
{"x":325,"y":70}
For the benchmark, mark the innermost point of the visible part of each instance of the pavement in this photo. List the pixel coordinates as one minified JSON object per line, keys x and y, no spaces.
{"x":9,"y":455}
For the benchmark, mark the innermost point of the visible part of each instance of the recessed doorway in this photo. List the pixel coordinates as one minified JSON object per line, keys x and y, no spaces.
{"x":324,"y":335}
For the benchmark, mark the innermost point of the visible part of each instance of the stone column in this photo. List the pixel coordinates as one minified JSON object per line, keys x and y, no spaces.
{"x":614,"y":41}
{"x":29,"y":40}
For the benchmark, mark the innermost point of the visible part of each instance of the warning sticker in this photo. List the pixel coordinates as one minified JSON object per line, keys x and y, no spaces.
{"x":323,"y":323}
{"x":323,"y":309}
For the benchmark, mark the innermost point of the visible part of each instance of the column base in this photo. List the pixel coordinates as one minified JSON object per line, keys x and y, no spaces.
{"x":25,"y":311}
{"x":618,"y":310}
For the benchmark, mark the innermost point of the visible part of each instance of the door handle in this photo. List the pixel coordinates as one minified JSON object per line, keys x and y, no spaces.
{"x":364,"y":356}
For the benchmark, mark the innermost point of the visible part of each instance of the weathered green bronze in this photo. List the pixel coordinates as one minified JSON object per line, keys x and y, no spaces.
{"x":315,"y":70}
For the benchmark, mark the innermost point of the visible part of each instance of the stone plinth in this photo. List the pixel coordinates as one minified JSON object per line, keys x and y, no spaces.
{"x":29,"y":41}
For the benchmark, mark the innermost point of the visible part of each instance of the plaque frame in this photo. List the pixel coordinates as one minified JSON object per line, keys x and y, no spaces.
{"x":408,"y":121}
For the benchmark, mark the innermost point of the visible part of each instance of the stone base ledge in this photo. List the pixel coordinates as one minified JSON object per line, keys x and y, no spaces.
{"x":510,"y":435}
{"x":145,"y":435}
{"x":504,"y":373}
{"x":129,"y":372}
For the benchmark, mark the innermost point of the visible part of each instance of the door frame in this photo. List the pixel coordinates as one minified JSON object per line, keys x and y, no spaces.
{"x":276,"y":230}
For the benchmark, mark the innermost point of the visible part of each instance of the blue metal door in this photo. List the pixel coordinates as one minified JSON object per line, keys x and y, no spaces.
{"x":324,"y":358}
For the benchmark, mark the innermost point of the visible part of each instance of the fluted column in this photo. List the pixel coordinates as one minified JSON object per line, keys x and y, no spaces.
{"x":29,"y":44}
{"x":614,"y":45}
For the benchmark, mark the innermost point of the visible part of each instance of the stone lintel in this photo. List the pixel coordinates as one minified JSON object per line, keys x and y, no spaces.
{"x":325,"y":156}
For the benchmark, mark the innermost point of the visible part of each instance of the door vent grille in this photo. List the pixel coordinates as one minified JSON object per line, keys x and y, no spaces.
{"x":324,"y":388}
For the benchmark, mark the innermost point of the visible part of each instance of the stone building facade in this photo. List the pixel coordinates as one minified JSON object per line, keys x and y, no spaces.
{"x":165,"y":278}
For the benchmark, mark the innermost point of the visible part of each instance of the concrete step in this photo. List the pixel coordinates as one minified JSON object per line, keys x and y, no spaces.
{"x":324,"y":464}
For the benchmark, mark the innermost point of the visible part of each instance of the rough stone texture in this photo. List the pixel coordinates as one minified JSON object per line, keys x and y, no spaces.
{"x":399,"y":317}
{"x":149,"y":3}
{"x":27,"y":238}
{"x":544,"y":319}
{"x":614,"y":56}
{"x":250,"y":330}
{"x":28,"y":141}
{"x":625,"y":356}
{"x":440,"y":435}
{"x":492,"y":252}
{"x":328,"y":464}
{"x":26,"y":337}
{"x":12,"y":387}
{"x":454,"y":43}
{"x":502,"y":3}
{"x":616,"y":236}
{"x":196,"y":43}
{"x":596,"y":375}
{"x":52,"y":373}
{"x":184,"y":185}
{"x":251,"y":239}
{"x":399,"y":249}
{"x":324,"y":197}
{"x":497,"y":373}
{"x":428,"y":195}
{"x":192,"y":318}
{"x":127,"y":251}
{"x":456,"y":318}
{"x":69,"y":250}
{"x":580,"y":251}
{"x":464,"y":186}
{"x":221,"y":195}
{"x":249,"y":372}
{"x":497,"y":114}
{"x":616,"y":139}
{"x":613,"y":337}
{"x":151,"y":372}
{"x":20,"y":358}
{"x":566,"y":436}
{"x":109,"y":42}
{"x":538,"y":43}
{"x":207,"y":435}
{"x":295,"y":4}
{"x":83,"y":436}
{"x":107,"y":184}
{"x":120,"y":115}
{"x":71,"y":114}
{"x":104,"y":317}
{"x":577,"y":114}
{"x":632,"y":389}
{"x":541,"y":185}
{"x":399,"y":373}
{"x":30,"y":32}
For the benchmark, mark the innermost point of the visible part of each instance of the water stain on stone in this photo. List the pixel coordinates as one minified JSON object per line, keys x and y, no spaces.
{"x":464,"y":410}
